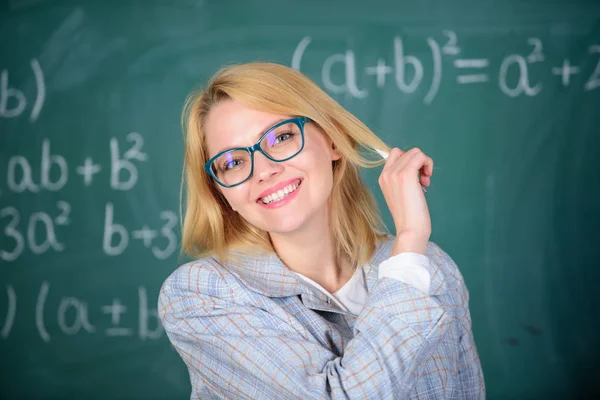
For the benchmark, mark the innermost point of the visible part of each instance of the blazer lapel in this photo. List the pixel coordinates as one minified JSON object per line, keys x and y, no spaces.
{"x":269,"y":276}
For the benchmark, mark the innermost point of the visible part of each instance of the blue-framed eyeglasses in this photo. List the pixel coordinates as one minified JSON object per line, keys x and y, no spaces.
{"x":280,"y":143}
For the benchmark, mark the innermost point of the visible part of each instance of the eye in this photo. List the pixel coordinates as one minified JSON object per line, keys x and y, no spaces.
{"x":230,"y":164}
{"x":285,"y":135}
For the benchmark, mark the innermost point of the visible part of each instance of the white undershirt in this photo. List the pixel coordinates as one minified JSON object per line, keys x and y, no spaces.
{"x":407,"y":267}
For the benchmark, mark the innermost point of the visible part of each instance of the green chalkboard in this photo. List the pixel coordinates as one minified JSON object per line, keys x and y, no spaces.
{"x":503,"y":95}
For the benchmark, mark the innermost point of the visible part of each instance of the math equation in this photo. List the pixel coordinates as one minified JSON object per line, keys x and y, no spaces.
{"x":513,"y":77}
{"x":67,"y":315}
{"x":39,"y":231}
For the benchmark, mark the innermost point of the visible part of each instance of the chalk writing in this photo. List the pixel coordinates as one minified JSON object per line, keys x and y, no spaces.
{"x":70,"y":315}
{"x":125,"y":163}
{"x":20,"y":173}
{"x":13,"y":101}
{"x":116,"y":236}
{"x":21,"y":177}
{"x":40,"y":233}
{"x":10,"y":312}
{"x":594,"y":81}
{"x":411,"y":72}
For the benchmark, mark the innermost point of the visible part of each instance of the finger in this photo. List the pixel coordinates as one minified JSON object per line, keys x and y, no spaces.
{"x":405,"y":158}
{"x":426,"y":171}
{"x":415,"y":159}
{"x":405,"y":169}
{"x":427,"y":167}
{"x":425,"y":180}
{"x":393,"y":156}
{"x":422,"y":163}
{"x":396,"y":153}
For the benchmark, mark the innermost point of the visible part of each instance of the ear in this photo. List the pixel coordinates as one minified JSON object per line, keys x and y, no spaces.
{"x":335,"y":153}
{"x":333,"y":150}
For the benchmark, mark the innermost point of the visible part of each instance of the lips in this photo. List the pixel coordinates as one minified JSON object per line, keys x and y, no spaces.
{"x":278,"y":187}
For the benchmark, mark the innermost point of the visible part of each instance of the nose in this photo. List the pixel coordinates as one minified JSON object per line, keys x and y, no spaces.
{"x":265,"y":169}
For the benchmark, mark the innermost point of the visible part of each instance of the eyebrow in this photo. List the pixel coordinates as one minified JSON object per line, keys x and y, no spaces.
{"x":255,"y":137}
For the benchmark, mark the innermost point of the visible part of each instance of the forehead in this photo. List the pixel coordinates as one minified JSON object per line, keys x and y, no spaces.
{"x":232,"y":124}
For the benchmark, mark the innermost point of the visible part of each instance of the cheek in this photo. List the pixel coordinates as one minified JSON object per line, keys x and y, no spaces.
{"x":235,"y":198}
{"x":319,"y":170}
{"x":319,"y":161}
{"x":315,"y":154}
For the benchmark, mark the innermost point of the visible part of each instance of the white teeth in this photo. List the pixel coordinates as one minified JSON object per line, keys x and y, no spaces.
{"x":280,"y":193}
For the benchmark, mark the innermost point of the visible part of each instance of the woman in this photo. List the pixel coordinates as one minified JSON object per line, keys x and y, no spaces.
{"x":297,"y":292}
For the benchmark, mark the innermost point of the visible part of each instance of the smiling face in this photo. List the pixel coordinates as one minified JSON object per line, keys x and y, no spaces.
{"x":231,"y":124}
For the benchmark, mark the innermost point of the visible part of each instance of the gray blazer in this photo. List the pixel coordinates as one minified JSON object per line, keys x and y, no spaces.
{"x":258,"y":331}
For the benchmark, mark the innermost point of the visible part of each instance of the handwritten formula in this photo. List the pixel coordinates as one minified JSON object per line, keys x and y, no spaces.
{"x":69,"y":315}
{"x":40,"y":231}
{"x":513,"y":77}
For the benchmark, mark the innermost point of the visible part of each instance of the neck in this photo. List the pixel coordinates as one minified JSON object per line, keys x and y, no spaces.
{"x":310,"y":251}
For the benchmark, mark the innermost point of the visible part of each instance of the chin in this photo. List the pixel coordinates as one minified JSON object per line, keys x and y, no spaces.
{"x":281,"y":225}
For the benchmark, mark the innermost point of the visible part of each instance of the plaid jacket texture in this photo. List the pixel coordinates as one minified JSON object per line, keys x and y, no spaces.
{"x":258,"y":331}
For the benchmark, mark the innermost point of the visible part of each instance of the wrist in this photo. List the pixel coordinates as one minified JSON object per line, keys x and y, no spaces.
{"x":409,"y":244}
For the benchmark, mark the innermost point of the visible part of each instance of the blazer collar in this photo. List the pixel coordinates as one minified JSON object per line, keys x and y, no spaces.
{"x":269,"y":276}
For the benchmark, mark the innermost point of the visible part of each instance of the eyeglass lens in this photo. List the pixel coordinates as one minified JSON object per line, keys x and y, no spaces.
{"x":281,"y":143}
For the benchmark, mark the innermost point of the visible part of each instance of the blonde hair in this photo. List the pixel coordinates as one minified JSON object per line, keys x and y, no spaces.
{"x":211,"y":227}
